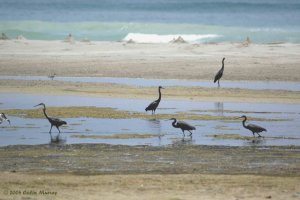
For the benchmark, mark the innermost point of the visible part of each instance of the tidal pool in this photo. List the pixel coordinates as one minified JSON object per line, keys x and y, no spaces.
{"x":27,"y":101}
{"x":160,"y":132}
{"x":90,"y":130}
{"x":254,"y":85}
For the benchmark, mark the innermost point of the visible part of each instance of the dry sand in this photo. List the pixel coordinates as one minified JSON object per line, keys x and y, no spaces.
{"x":148,"y":187}
{"x":276,"y":62}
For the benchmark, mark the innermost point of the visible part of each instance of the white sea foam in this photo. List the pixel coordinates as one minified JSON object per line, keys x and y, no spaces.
{"x":147,"y":32}
{"x":155,"y":38}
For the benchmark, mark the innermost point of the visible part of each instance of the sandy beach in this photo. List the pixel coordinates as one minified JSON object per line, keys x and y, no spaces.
{"x":265,"y":62}
{"x":253,"y":62}
{"x":77,"y":79}
{"x":103,"y":171}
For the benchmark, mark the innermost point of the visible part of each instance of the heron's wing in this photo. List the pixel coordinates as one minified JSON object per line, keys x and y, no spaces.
{"x":185,"y":125}
{"x":218,"y":75}
{"x":57,"y":121}
{"x":152,"y":105}
{"x":256,"y":128}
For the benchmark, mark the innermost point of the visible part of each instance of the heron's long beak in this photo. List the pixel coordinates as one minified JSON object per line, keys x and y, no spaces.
{"x":37,"y":105}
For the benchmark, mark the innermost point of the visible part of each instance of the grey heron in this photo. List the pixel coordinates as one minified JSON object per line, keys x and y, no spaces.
{"x":219,"y":74}
{"x":183,"y":126}
{"x":53,"y":121}
{"x":252,"y":127}
{"x":152,"y":106}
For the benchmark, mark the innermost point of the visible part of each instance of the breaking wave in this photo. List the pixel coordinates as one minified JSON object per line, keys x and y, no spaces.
{"x":180,"y":38}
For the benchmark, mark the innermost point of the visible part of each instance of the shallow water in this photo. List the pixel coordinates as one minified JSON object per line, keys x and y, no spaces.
{"x":27,"y":101}
{"x":35,"y":131}
{"x":254,"y":85}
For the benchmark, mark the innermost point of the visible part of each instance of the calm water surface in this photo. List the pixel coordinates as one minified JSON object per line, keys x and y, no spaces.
{"x":35,"y":131}
{"x":254,"y":85}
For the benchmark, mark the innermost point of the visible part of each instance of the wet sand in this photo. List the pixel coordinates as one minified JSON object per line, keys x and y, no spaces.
{"x":173,"y":93}
{"x":96,"y":112}
{"x":173,"y":172}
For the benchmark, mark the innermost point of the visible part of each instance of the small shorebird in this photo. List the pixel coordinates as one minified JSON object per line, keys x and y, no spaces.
{"x":51,"y":76}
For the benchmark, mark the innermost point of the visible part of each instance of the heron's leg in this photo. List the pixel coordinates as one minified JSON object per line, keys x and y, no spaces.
{"x":58,"y":129}
{"x":258,"y":135}
{"x":218,"y":83}
{"x":51,"y":128}
{"x":190,"y":133}
{"x":253,"y":134}
{"x":183,"y":133}
{"x":57,"y":137}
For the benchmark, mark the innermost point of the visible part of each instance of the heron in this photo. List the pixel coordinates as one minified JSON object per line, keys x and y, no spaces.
{"x":252,"y":127}
{"x":53,"y":121}
{"x":3,"y":118}
{"x":183,"y":126}
{"x":219,"y":74}
{"x":152,"y":106}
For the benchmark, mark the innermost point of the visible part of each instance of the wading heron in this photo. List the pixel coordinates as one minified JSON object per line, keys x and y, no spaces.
{"x":252,"y":127}
{"x":152,"y":106}
{"x":53,"y":121}
{"x":183,"y":126}
{"x":219,"y":74}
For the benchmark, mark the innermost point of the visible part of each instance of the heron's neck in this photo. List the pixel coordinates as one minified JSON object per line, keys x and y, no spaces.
{"x":244,"y":125}
{"x":174,"y":123}
{"x":159,"y":94}
{"x":44,"y":111}
{"x":222,"y":65}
